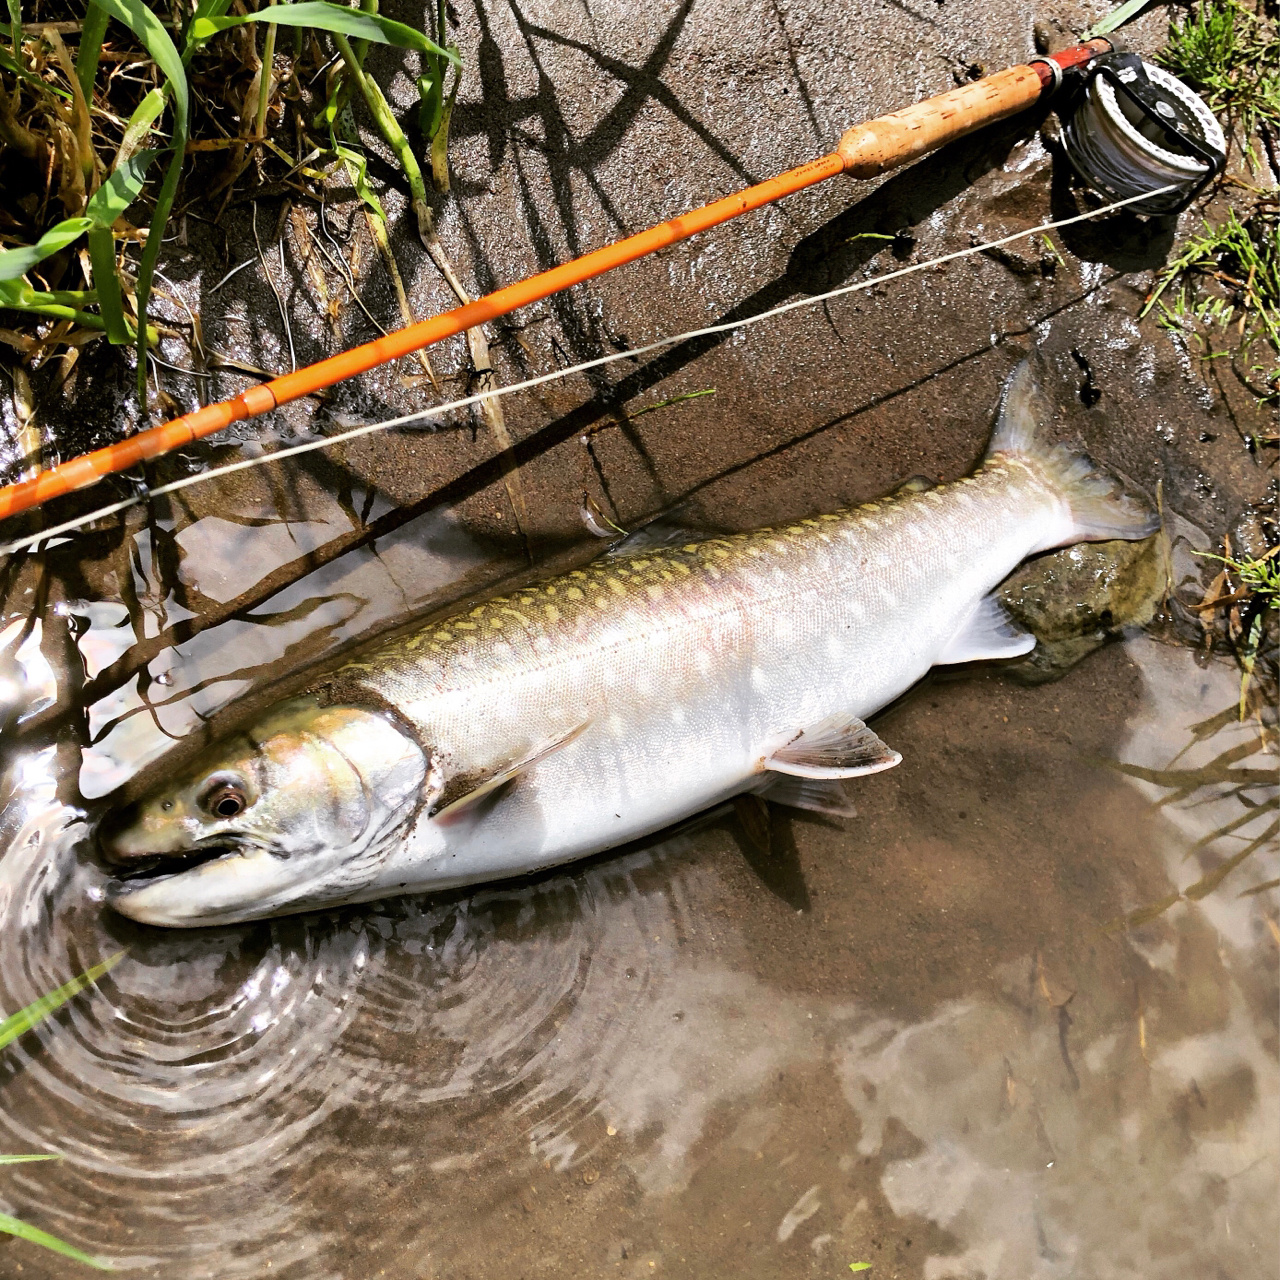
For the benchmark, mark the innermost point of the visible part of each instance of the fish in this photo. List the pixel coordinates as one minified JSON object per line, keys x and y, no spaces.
{"x":601,"y":706}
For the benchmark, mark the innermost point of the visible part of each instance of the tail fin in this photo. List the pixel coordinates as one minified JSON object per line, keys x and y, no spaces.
{"x":1098,"y":506}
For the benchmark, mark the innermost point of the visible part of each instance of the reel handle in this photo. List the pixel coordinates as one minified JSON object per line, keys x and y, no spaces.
{"x":887,"y":142}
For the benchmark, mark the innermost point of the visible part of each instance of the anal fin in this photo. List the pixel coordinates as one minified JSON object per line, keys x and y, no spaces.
{"x":840,"y":746}
{"x":988,"y":632}
{"x":470,"y":791}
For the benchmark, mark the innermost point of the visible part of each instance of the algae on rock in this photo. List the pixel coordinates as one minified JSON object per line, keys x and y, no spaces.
{"x":1074,"y":600}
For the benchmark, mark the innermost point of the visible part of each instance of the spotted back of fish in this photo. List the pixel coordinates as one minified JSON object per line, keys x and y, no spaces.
{"x":902,"y":541}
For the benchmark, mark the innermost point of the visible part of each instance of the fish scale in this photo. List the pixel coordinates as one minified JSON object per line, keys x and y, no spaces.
{"x":607,"y":703}
{"x":690,"y":667}
{"x":587,"y":615}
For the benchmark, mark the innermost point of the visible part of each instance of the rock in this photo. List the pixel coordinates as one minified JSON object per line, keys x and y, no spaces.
{"x":1076,"y":599}
{"x":1256,"y":529}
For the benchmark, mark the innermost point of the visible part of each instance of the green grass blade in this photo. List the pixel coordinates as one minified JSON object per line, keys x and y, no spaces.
{"x":102,"y":258}
{"x":1117,"y":17}
{"x":120,"y":189}
{"x":430,"y":100}
{"x":15,"y":26}
{"x":358,"y":171}
{"x":320,"y":15}
{"x":15,"y":263}
{"x":151,"y":251}
{"x":205,"y":9}
{"x":28,"y":1159}
{"x":85,"y":318}
{"x":24,"y":1231}
{"x":18,"y":1023}
{"x":146,"y":26}
{"x":440,"y":138}
{"x":95,"y":27}
{"x":109,"y":202}
{"x":140,"y":123}
{"x":210,"y":9}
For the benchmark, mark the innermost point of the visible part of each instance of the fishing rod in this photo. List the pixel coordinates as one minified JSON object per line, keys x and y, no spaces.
{"x":1130,"y":137}
{"x":556,"y":375}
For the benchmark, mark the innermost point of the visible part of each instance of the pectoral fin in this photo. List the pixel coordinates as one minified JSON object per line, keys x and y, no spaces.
{"x":840,"y":746}
{"x":462,"y":795}
{"x":987,"y":633}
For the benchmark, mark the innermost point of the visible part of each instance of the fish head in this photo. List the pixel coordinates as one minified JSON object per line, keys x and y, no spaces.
{"x":292,"y":813}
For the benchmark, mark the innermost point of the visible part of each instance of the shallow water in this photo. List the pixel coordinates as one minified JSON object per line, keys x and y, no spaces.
{"x":956,"y":1036}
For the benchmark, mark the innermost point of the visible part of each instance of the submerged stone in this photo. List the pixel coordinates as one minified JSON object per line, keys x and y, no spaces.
{"x":1074,"y":600}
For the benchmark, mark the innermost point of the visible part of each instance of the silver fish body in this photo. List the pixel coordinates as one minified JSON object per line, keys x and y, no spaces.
{"x":606,"y":704}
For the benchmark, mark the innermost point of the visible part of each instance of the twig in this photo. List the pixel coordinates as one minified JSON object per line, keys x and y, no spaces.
{"x":341,"y":268}
{"x":248,"y":262}
{"x":483,"y":381}
{"x":284,"y":315}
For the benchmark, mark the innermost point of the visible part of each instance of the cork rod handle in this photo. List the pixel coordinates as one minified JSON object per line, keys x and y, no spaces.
{"x":896,"y":139}
{"x":870,"y":149}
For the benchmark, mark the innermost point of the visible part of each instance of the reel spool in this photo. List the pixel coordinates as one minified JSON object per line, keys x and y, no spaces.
{"x":1136,"y":128}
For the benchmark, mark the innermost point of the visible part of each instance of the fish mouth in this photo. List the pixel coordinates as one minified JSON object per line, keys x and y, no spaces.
{"x":222,"y":881}
{"x":144,"y":871}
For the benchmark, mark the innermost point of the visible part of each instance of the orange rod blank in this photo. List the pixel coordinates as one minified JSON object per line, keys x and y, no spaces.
{"x":864,"y":151}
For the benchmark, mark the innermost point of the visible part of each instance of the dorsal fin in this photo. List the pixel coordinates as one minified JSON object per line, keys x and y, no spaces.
{"x":840,"y":746}
{"x":469,"y":790}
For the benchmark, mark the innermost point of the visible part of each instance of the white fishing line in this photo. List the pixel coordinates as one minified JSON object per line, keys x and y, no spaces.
{"x":441,"y":409}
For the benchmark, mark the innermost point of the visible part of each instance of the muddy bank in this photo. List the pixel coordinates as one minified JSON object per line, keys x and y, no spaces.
{"x":577,"y":125}
{"x":985,"y":1028}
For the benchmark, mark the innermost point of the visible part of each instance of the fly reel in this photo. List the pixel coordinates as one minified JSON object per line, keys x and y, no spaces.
{"x":1136,"y":128}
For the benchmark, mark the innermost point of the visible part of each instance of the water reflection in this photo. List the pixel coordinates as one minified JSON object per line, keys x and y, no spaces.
{"x":628,"y":1063}
{"x":184,"y":684}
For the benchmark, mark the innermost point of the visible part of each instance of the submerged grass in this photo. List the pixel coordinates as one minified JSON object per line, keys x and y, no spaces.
{"x":1245,"y":598}
{"x":1222,"y":777}
{"x":15,"y":1025}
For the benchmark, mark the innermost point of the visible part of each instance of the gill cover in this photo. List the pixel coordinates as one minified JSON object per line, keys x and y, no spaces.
{"x":295,"y":812}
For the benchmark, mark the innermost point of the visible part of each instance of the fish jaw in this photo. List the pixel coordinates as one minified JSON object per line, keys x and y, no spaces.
{"x":324,"y":792}
{"x":233,"y":887}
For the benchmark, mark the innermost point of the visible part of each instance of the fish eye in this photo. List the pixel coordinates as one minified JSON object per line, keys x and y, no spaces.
{"x":227,"y":800}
